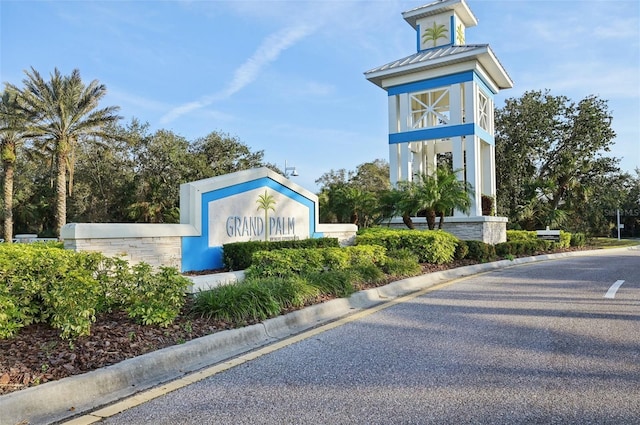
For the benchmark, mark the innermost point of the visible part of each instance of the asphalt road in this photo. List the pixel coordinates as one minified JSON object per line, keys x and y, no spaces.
{"x":531,"y":344}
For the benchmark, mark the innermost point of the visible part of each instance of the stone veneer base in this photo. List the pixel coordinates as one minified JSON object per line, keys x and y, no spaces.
{"x":488,"y":229}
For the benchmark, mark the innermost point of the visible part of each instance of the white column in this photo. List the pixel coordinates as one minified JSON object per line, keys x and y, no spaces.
{"x":394,"y":126}
{"x":403,"y":121}
{"x":455,"y":104}
{"x":405,"y":162}
{"x":417,"y":161}
{"x":431,"y":158}
{"x":394,"y":165}
{"x":457,"y":154}
{"x":472,"y":147}
{"x":470,"y":97}
{"x":487,"y":166}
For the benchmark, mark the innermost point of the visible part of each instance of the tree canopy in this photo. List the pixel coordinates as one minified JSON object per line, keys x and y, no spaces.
{"x":74,"y":161}
{"x":63,"y":157}
{"x":550,"y":157}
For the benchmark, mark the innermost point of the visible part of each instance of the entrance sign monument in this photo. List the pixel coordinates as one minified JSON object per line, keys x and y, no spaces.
{"x":441,"y":100}
{"x":257,"y":204}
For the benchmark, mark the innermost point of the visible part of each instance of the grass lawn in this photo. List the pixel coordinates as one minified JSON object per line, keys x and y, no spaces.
{"x":613,"y":242}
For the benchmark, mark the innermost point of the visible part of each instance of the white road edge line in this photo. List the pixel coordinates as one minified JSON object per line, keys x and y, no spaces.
{"x":611,"y":293}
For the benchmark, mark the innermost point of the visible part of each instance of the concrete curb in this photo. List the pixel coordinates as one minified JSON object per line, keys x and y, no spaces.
{"x":59,"y":400}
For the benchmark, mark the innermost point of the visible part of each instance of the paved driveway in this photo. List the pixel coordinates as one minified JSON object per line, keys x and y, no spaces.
{"x":534,"y":344}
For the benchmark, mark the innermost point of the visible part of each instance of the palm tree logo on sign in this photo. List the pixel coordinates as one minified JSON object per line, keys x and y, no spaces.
{"x":266,"y":202}
{"x":435,"y":33}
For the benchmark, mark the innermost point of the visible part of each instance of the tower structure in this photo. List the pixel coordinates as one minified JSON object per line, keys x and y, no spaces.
{"x":441,"y":99}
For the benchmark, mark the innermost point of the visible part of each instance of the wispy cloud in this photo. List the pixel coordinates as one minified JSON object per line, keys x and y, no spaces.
{"x":268,"y":52}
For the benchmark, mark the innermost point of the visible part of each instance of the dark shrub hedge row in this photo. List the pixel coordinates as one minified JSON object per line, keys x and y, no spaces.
{"x":430,"y":246}
{"x":238,"y":255}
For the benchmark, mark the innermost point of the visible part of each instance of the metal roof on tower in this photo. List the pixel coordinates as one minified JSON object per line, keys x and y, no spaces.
{"x":437,"y":7}
{"x":444,"y":56}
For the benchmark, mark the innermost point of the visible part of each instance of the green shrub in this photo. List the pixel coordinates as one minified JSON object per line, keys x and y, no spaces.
{"x":366,"y":254}
{"x":12,"y":317}
{"x":154,"y":298}
{"x":402,"y":267}
{"x":578,"y":239}
{"x":300,"y":262}
{"x":565,"y":240}
{"x":43,"y":283}
{"x":285,"y":263}
{"x":462,"y":250}
{"x":521,"y":235}
{"x":481,"y":251}
{"x":239,"y":255}
{"x":431,"y":246}
{"x":368,"y":273}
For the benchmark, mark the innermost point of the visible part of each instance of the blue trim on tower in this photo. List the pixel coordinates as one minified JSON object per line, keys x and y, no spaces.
{"x":201,"y":256}
{"x":442,"y":132}
{"x":452,"y":27}
{"x":418,"y":38}
{"x":446,"y":80}
{"x":483,"y":85}
{"x":484,"y":135}
{"x":432,"y":83}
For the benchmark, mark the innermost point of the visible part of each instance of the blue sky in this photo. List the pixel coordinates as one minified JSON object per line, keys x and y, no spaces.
{"x":286,"y":77}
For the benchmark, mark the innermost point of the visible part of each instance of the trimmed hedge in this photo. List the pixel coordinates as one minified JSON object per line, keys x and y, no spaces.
{"x":523,"y":247}
{"x":294,"y":262}
{"x":238,"y":255}
{"x":480,"y":251}
{"x":430,"y":246}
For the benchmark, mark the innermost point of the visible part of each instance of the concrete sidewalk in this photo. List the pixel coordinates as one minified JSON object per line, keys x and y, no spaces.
{"x":63,"y":399}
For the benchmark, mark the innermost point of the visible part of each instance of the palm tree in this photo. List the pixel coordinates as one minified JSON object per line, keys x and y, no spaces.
{"x":62,"y":112}
{"x":452,"y":194}
{"x":354,"y":205}
{"x":407,"y":199}
{"x":435,"y":195}
{"x":12,"y":124}
{"x":266,"y":202}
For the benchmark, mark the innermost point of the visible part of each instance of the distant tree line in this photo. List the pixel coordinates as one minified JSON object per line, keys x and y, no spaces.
{"x":64,"y":158}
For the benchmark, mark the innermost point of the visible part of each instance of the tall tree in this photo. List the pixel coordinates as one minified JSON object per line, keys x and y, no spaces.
{"x":104,"y":182}
{"x":162,"y":163}
{"x":63,"y":111}
{"x":353,"y":196}
{"x":547,"y":147}
{"x":219,"y":153}
{"x":12,"y":124}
